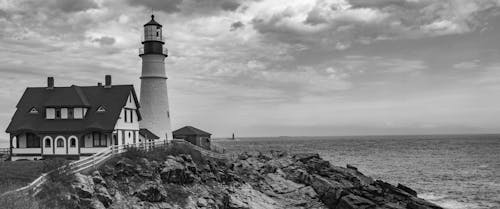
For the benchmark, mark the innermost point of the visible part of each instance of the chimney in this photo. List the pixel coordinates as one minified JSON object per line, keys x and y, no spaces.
{"x":107,"y":83}
{"x":50,"y":83}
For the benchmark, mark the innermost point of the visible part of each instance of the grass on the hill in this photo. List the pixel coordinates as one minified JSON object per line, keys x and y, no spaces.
{"x":15,"y":174}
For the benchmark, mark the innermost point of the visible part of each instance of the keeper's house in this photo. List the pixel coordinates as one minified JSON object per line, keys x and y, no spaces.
{"x":73,"y":122}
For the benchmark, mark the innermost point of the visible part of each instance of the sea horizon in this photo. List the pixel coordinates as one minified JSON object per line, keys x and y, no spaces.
{"x":4,"y":143}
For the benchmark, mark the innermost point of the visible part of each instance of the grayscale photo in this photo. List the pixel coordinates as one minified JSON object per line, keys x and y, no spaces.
{"x":250,"y":104}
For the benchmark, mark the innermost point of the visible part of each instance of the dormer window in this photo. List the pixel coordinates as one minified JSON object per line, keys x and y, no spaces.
{"x":101,"y":109}
{"x":33,"y":110}
{"x":65,"y":112}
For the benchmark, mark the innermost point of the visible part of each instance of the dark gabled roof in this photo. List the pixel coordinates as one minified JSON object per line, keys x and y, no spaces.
{"x":190,"y":131}
{"x":74,"y":97}
{"x":147,"y":134}
{"x":152,"y":22}
{"x":92,"y":97}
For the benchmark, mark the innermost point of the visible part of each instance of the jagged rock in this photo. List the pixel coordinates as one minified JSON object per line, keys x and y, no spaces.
{"x":91,"y":204}
{"x":351,"y":167}
{"x":245,"y":197}
{"x":304,"y":157}
{"x":101,"y":193}
{"x":351,"y":201}
{"x":202,"y":202}
{"x":254,"y":180}
{"x":281,"y":185}
{"x":407,"y":189}
{"x":83,"y":185}
{"x":177,"y":172}
{"x":151,"y":192}
{"x":97,"y":178}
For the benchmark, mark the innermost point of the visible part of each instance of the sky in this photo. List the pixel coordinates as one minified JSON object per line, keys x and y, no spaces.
{"x":274,"y":67}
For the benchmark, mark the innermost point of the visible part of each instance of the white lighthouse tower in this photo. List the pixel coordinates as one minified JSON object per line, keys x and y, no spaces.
{"x":154,"y":98}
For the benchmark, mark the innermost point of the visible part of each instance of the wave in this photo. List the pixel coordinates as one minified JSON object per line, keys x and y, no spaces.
{"x":447,"y":202}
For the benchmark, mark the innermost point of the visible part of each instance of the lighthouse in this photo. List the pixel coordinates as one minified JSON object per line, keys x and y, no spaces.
{"x":154,"y":97}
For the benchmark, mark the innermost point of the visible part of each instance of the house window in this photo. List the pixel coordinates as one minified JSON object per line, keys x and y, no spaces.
{"x":48,"y":143}
{"x":71,"y":114}
{"x":128,"y":115}
{"x":72,"y":142}
{"x":101,"y":109}
{"x":78,"y":113}
{"x":58,"y":113}
{"x":50,"y":113}
{"x":32,"y":140}
{"x":100,"y":140}
{"x":60,"y":142}
{"x":64,"y":113}
{"x":125,"y":115}
{"x":33,"y":111}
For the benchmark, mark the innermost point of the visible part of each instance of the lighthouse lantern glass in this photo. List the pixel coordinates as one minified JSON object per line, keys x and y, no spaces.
{"x":152,"y":33}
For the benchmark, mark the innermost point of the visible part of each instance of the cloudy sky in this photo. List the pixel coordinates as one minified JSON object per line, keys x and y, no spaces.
{"x":274,"y":67}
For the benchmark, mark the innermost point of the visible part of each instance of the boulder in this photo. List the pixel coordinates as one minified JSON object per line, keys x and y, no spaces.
{"x":97,"y":178}
{"x":91,"y":204}
{"x":407,"y":189}
{"x":202,"y":202}
{"x":151,"y":192}
{"x":304,"y":157}
{"x":175,"y":171}
{"x":281,"y":185}
{"x":83,"y":185}
{"x":351,"y":201}
{"x":245,"y":197}
{"x":351,"y":167}
{"x":101,"y":193}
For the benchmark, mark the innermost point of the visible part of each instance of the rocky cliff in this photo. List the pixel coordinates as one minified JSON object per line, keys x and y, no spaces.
{"x":259,"y":181}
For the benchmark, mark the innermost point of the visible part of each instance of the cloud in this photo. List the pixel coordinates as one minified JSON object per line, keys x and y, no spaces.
{"x":340,"y":23}
{"x":168,"y":6}
{"x":188,"y":7}
{"x":66,"y":6}
{"x":236,"y":26}
{"x":467,"y":65}
{"x":105,"y":40}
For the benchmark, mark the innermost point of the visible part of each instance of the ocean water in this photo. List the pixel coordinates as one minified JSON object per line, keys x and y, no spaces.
{"x":453,"y":171}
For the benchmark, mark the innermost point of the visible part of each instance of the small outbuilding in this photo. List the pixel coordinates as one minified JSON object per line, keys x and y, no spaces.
{"x":194,"y":136}
{"x":147,"y":136}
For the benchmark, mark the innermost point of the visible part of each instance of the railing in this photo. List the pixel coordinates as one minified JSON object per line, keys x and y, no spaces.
{"x":26,"y":150}
{"x":164,"y":51}
{"x":203,"y":151}
{"x":4,"y":153}
{"x":152,"y":38}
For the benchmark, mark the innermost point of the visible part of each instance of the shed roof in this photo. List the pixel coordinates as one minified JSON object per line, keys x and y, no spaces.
{"x":92,"y":97}
{"x":146,"y":133}
{"x":190,"y":131}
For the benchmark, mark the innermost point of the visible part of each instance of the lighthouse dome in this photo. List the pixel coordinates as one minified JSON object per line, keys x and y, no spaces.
{"x":152,"y":22}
